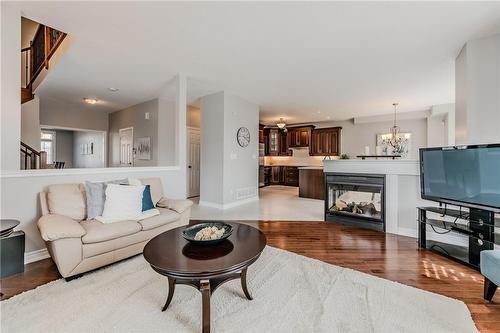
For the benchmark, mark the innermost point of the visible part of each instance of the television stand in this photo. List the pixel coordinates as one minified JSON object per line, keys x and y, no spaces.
{"x":479,"y":228}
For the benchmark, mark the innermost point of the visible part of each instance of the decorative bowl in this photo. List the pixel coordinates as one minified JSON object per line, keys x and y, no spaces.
{"x":190,"y":232}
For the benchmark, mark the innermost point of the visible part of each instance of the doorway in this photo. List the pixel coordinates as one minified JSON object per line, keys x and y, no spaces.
{"x":193,"y":162}
{"x":126,"y":146}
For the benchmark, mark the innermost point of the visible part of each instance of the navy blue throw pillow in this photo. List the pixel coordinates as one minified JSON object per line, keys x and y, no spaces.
{"x":147,"y":202}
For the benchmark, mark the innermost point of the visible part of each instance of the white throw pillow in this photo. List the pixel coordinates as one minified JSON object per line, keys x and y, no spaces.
{"x":134,"y":181}
{"x":123,"y":201}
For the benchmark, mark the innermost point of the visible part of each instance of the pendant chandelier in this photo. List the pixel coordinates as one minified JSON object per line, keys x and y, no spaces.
{"x":396,"y":139}
{"x":281,"y":124}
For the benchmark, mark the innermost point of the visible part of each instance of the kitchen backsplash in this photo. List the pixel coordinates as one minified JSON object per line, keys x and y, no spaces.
{"x":300,"y":158}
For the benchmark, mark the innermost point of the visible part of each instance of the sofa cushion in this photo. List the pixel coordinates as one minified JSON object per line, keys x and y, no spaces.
{"x":67,"y":200}
{"x":94,"y":249}
{"x":147,"y":201}
{"x":123,"y":202}
{"x":166,"y":216}
{"x":53,"y":227}
{"x":178,"y":205}
{"x":156,"y":188}
{"x":99,"y":232}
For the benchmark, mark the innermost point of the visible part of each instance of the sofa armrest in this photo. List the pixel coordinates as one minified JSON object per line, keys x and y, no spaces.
{"x":174,"y":204}
{"x":54,"y":227}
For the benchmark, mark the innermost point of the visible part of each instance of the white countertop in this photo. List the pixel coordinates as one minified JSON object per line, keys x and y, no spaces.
{"x":318,"y":167}
{"x":387,"y":167}
{"x":300,"y":166}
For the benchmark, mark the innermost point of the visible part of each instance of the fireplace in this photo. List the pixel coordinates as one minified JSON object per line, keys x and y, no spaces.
{"x":355,"y":199}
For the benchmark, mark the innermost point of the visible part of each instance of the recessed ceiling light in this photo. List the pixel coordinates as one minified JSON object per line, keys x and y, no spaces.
{"x":90,"y":100}
{"x":319,"y":111}
{"x":113,"y":89}
{"x":328,"y":117}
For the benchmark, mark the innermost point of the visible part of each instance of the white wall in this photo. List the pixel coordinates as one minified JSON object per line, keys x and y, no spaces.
{"x":441,"y":125}
{"x":212,"y":149}
{"x":134,"y":116}
{"x":436,"y":131}
{"x":64,"y":147}
{"x":10,"y":98}
{"x":229,"y":173}
{"x":477,"y":92}
{"x":193,"y":117}
{"x":241,"y":165}
{"x":166,"y":132}
{"x":30,"y":123}
{"x":57,"y":113}
{"x":95,"y":160}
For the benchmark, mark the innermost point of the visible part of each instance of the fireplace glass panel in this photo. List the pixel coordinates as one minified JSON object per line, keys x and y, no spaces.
{"x":355,"y":200}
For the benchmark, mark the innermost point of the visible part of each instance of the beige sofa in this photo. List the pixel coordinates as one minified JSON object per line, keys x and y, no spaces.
{"x":77,"y":245}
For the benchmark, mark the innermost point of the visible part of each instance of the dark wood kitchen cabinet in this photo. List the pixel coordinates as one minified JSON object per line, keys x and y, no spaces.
{"x":325,"y":142}
{"x":276,"y":175}
{"x":299,"y":136}
{"x":311,"y":183}
{"x":276,"y":142}
{"x":284,"y":149}
{"x":261,"y":133}
{"x":291,"y":176}
{"x":267,"y":175}
{"x":284,"y":175}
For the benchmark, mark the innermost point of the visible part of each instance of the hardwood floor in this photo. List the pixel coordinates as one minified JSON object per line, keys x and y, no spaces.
{"x":392,"y":257}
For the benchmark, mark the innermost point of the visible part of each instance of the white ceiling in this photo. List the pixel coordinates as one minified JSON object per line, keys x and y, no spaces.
{"x":302,"y":61}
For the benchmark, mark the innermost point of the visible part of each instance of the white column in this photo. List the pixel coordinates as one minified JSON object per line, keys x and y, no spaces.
{"x":229,"y":172}
{"x":10,"y":115}
{"x":477,"y":92}
{"x":391,"y":203}
{"x":181,"y":132}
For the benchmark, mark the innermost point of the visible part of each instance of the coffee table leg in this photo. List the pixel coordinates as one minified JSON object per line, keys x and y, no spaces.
{"x":244,"y":283}
{"x":171,"y":289}
{"x":205,"y":302}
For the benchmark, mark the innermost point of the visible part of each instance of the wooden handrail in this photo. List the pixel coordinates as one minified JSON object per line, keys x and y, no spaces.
{"x":29,"y":148}
{"x":32,"y":156}
{"x":41,"y":49}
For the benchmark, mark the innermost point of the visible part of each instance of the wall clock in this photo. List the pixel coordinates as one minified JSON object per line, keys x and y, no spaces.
{"x":243,"y":136}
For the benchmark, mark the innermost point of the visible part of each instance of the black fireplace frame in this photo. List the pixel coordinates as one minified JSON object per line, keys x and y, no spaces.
{"x":357,"y":221}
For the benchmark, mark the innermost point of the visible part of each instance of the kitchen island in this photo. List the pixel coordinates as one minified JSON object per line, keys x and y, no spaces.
{"x":311,"y":182}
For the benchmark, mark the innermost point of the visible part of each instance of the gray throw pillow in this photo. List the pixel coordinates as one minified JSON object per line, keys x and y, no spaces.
{"x":96,"y":195}
{"x":95,"y":199}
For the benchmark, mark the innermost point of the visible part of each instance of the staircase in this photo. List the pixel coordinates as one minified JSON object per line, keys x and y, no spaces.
{"x":36,"y":57}
{"x":31,"y":158}
{"x":26,"y":95}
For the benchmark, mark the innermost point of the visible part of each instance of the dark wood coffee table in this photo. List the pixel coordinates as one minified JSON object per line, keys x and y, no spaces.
{"x":205,"y":267}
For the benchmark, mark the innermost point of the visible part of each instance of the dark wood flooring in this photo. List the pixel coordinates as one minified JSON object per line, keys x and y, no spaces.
{"x":392,"y":257}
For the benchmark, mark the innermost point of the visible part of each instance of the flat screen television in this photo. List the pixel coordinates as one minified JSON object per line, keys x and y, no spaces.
{"x":467,"y":176}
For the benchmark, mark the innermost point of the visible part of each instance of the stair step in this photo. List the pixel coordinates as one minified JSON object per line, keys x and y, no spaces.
{"x":26,"y":95}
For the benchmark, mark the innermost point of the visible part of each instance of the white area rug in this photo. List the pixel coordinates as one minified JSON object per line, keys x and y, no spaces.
{"x":291,"y":293}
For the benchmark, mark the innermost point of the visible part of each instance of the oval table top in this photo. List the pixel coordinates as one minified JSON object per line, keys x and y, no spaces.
{"x":170,"y":254}
{"x":7,"y":227}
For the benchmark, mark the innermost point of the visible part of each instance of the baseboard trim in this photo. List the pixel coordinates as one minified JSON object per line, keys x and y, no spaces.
{"x":228,"y":205}
{"x":37,"y":255}
{"x":408,"y":232}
